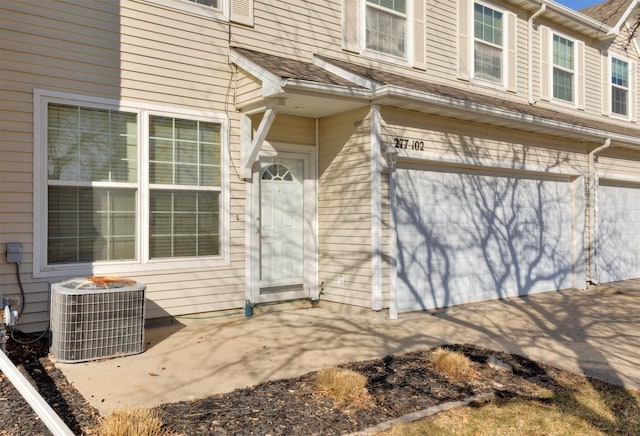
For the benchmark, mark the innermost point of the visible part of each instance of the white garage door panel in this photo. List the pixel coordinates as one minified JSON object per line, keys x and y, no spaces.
{"x":466,"y":237}
{"x":618,"y":248}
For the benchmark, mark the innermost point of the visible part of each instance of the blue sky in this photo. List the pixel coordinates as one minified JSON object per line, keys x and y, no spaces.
{"x":578,"y":4}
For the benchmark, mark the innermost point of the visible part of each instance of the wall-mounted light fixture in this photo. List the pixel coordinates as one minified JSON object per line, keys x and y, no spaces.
{"x":390,"y":155}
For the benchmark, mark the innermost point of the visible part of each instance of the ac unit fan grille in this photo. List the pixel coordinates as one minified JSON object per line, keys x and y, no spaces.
{"x":89,"y":325}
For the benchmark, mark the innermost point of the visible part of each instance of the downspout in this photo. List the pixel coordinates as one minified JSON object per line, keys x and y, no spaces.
{"x":592,"y":207}
{"x":543,"y":7}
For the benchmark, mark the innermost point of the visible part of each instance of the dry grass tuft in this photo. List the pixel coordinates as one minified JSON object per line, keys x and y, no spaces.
{"x":452,"y":363}
{"x":344,"y":386}
{"x":134,"y":421}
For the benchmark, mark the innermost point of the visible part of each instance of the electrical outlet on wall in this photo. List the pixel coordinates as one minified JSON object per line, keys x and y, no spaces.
{"x":341,"y":280}
{"x":14,"y":252}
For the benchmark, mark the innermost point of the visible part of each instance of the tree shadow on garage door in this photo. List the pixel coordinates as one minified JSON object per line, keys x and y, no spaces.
{"x":469,"y":235}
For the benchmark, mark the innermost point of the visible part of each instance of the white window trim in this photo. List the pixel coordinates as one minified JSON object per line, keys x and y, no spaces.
{"x":502,"y":85}
{"x":575,"y":79}
{"x":142,"y":263}
{"x":195,"y":8}
{"x":407,"y":60}
{"x":610,"y":85}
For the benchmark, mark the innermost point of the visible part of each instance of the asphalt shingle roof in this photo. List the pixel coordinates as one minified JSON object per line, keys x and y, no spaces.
{"x":295,"y":69}
{"x":608,"y":12}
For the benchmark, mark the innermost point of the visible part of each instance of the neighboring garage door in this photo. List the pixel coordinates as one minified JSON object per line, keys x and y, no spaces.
{"x":468,"y":236}
{"x":618,"y":246}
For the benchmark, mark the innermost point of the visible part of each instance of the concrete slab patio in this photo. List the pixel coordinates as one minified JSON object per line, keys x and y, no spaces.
{"x":594,"y":332}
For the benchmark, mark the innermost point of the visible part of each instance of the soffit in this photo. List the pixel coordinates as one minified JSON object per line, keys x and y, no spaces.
{"x":567,"y":17}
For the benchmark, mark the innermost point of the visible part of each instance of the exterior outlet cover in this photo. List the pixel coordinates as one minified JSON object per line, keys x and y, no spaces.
{"x":14,"y":252}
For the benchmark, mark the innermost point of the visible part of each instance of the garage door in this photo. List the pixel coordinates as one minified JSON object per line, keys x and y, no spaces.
{"x":469,"y":236}
{"x":618,"y":248}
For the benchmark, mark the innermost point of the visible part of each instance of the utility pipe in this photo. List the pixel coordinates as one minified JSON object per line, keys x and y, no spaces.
{"x":543,"y":7}
{"x":592,"y":207}
{"x":37,"y":403}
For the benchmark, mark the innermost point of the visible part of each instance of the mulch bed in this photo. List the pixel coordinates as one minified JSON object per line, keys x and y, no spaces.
{"x":398,"y":385}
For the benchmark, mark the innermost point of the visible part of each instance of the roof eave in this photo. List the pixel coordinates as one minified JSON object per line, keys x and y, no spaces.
{"x":557,"y":128}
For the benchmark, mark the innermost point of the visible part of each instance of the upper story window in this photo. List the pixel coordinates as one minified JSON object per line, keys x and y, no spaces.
{"x":619,"y":87}
{"x":126,"y":185}
{"x":237,"y":11}
{"x":391,"y":30}
{"x":563,"y":68}
{"x":213,"y":3}
{"x":488,"y":43}
{"x":562,"y":72}
{"x":386,"y":27}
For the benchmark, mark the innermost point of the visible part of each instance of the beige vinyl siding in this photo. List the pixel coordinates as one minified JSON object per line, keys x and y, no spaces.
{"x":457,"y":142}
{"x":622,"y":164}
{"x":291,"y":28}
{"x":147,"y":55}
{"x":344,"y":208}
{"x":292,"y":130}
{"x":247,"y":88}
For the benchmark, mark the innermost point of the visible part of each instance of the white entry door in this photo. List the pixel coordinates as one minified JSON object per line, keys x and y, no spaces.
{"x":281,"y":229}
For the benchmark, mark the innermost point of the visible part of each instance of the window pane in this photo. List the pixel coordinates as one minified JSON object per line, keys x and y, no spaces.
{"x":184,"y":224}
{"x":212,"y":3}
{"x":90,"y":224}
{"x":488,"y":62}
{"x":562,"y":52}
{"x":619,"y":73}
{"x":562,"y":85}
{"x":386,"y":32}
{"x":488,"y":24}
{"x":619,"y":101}
{"x":183,"y":152}
{"x":394,"y":5}
{"x":87,"y":144}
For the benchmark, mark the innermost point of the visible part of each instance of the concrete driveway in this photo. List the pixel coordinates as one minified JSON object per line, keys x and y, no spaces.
{"x":594,"y":332}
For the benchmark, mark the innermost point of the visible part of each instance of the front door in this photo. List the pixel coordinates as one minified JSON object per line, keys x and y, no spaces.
{"x":281,"y":229}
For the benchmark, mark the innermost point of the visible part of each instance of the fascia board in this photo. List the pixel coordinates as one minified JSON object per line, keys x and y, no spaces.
{"x":324,"y":88}
{"x":493,"y":112}
{"x":624,"y":18}
{"x":602,"y":29}
{"x":271,"y":83}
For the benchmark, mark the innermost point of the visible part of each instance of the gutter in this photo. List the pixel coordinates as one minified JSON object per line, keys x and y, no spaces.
{"x":592,"y":210}
{"x":543,"y":7}
{"x":498,"y":113}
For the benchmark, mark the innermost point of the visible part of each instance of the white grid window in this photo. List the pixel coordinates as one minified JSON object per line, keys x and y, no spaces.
{"x":102,"y":205}
{"x":386,"y":27}
{"x":488,"y":43}
{"x":184,"y":177}
{"x":619,"y":87}
{"x":563,"y":68}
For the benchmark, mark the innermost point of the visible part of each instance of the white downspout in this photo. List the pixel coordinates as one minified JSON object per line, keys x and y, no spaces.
{"x":543,"y":7}
{"x":592,"y":207}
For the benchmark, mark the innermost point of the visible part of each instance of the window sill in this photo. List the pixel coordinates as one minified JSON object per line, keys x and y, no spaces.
{"x":132,"y":268}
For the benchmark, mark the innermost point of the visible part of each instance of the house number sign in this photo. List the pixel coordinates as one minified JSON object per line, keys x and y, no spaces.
{"x":408,"y":144}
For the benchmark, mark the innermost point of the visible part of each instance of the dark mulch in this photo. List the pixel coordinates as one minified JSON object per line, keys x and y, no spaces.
{"x":398,"y":385}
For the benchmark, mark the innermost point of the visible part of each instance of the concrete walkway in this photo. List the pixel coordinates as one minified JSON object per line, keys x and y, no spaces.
{"x":594,"y":332}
